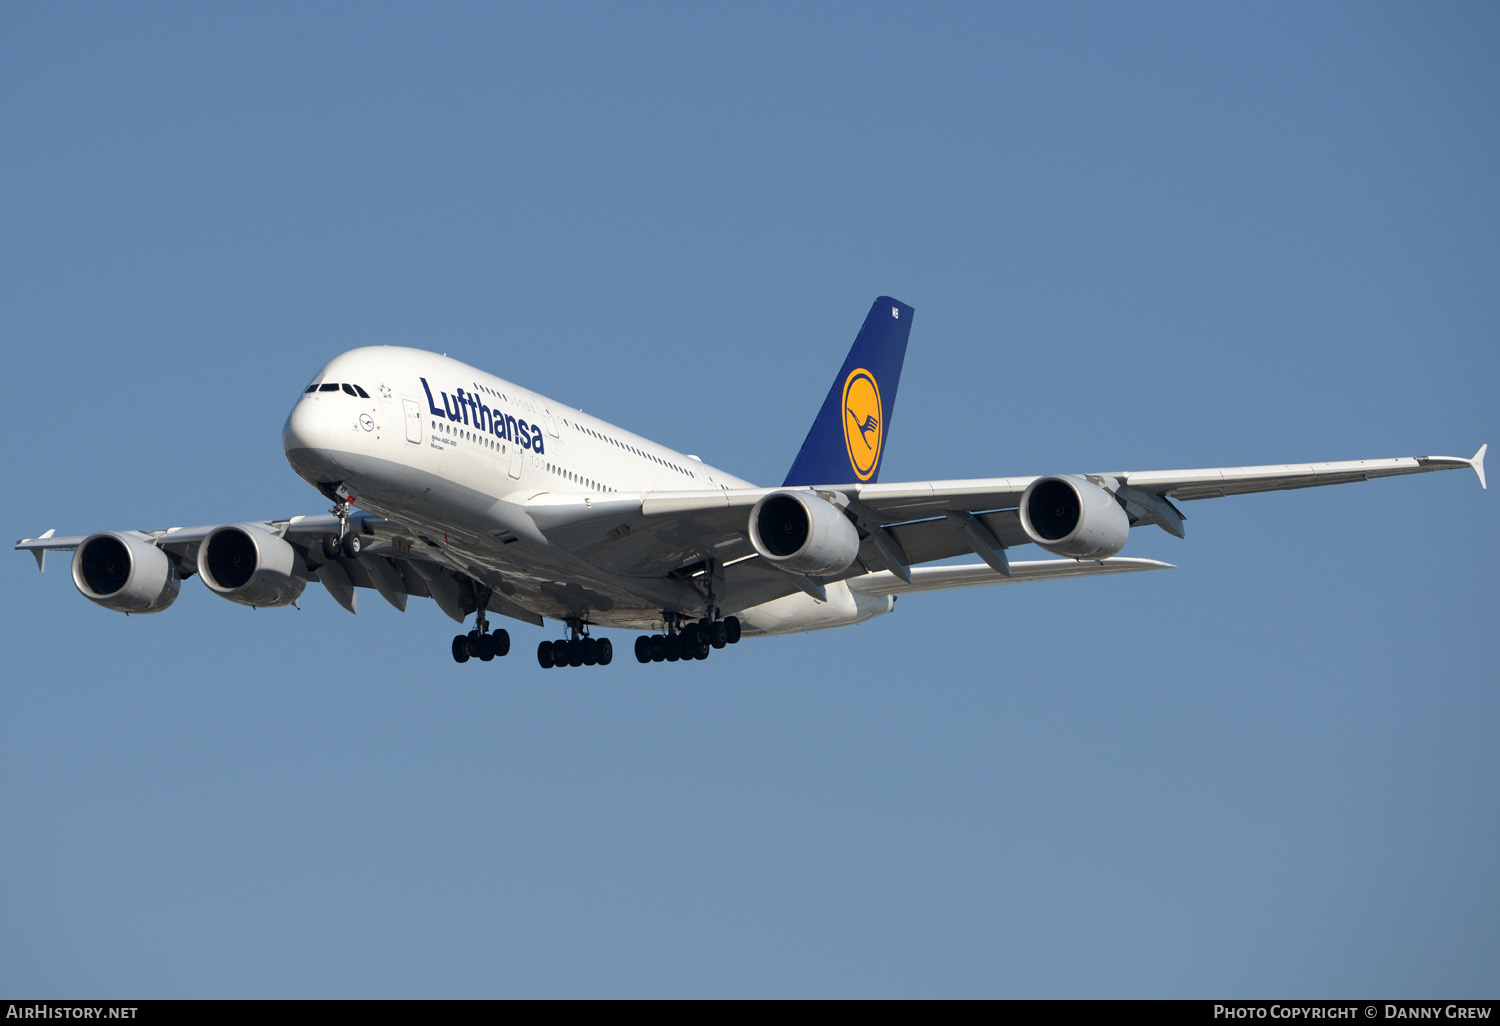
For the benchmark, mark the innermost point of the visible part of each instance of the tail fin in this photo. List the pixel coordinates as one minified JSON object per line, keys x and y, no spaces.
{"x":846,"y":441}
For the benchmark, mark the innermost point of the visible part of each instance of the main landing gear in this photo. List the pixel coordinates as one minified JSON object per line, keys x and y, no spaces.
{"x":687,"y":641}
{"x":578,"y":649}
{"x":684,"y":640}
{"x":480,"y":643}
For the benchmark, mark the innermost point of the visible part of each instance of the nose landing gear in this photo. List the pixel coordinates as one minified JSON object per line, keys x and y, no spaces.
{"x":342,"y":544}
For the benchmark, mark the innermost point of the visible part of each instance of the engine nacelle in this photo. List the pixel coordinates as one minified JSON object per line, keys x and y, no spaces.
{"x":802,"y":533}
{"x":250,"y":565}
{"x":125,"y":573}
{"x":1072,"y":516}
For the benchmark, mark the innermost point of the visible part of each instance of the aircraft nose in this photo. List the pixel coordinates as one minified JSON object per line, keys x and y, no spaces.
{"x":308,"y":440}
{"x":305,"y":428}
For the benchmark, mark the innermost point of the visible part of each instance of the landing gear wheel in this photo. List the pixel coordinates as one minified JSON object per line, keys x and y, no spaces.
{"x":351,"y":546}
{"x":331,"y":546}
{"x":559,"y":653}
{"x":575,"y":652}
{"x":606,"y":653}
{"x":702,"y":648}
{"x":674,"y":647}
{"x":500,"y":642}
{"x":482,"y":648}
{"x":544,"y":655}
{"x":718,"y":634}
{"x":590,"y":652}
{"x":658,"y":648}
{"x":643,"y":648}
{"x":460,"y":649}
{"x":732,"y":629}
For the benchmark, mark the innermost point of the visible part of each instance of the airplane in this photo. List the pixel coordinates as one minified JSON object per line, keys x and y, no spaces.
{"x":487,"y":497}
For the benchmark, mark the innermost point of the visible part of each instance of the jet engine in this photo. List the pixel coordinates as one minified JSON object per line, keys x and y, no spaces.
{"x":1074,"y":517}
{"x":250,"y":565}
{"x":125,"y":573}
{"x":802,"y":533}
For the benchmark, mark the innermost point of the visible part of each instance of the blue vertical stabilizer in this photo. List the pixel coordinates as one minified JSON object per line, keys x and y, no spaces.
{"x":848,"y":438}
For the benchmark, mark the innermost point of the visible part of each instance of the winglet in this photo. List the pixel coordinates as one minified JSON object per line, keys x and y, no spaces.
{"x":41,"y":554}
{"x":1478,"y":464}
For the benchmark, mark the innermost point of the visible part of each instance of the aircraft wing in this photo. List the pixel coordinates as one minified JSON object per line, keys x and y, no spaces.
{"x":683,"y":534}
{"x":653,"y":533}
{"x":910,"y":501}
{"x":390,"y":562}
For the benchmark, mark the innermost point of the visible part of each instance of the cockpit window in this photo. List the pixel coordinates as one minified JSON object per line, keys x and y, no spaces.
{"x":335,"y":386}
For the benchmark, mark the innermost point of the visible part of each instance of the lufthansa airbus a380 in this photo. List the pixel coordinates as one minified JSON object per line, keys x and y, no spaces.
{"x":489,"y":498}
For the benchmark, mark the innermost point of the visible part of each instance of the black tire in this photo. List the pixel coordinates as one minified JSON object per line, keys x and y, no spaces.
{"x":606,"y":651}
{"x":658,"y":648}
{"x":702,"y":648}
{"x":575,"y":652}
{"x":590,"y":651}
{"x":501,"y":642}
{"x":352,"y":545}
{"x":460,"y":649}
{"x":544,"y":655}
{"x":674,"y":647}
{"x":331,"y":546}
{"x":559,"y":653}
{"x":732,"y":630}
{"x":482,"y":647}
{"x":689,"y":637}
{"x":643,"y":648}
{"x":718,"y":634}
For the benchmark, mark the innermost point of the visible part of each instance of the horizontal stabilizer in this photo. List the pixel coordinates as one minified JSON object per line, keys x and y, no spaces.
{"x":937,"y":578}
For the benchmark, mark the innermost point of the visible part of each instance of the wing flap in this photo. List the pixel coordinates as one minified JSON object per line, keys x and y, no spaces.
{"x":938,"y":578}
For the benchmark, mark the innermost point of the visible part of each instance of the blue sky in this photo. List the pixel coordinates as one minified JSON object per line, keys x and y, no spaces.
{"x":1137,"y":237}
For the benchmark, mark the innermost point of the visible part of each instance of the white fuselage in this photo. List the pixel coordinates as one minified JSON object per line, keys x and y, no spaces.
{"x":450,"y":452}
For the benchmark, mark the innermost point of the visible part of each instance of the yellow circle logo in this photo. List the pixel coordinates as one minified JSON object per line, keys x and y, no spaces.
{"x":864,"y":422}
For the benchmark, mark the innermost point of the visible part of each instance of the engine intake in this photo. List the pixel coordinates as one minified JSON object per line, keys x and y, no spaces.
{"x":125,"y":573}
{"x":1072,"y":516}
{"x":249,"y":565}
{"x":800,"y":532}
